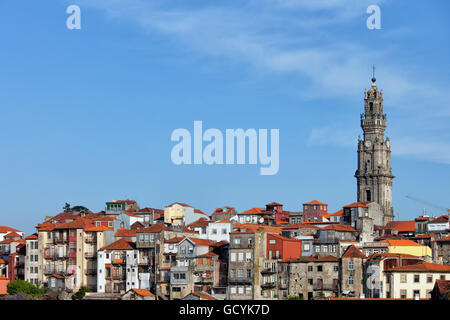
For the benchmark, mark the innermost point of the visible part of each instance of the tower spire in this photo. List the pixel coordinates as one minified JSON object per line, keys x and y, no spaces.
{"x":373,"y":74}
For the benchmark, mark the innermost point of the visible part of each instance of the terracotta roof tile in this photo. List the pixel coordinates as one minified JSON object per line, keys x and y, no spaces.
{"x":316,"y":202}
{"x":353,"y":252}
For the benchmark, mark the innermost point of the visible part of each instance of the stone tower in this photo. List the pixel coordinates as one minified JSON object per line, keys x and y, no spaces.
{"x":374,"y":173}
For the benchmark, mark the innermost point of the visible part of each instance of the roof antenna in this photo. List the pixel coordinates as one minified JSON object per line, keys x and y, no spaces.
{"x":373,"y":74}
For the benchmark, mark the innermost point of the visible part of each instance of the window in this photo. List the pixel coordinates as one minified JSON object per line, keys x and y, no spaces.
{"x":325,"y":248}
{"x":237,"y":241}
{"x":350,"y":280}
{"x":306,"y":247}
{"x":442,"y":277}
{"x":214,"y":231}
{"x":240,"y":256}
{"x":310,"y":281}
{"x":270,"y":254}
{"x":248,"y":256}
{"x":336,"y":268}
{"x":224,"y":231}
{"x":351,"y":265}
{"x":233,"y":290}
{"x":310,"y":268}
{"x":272,"y":241}
{"x":403,"y":294}
{"x":233,"y":256}
{"x":417,"y":278}
{"x":319,"y":268}
{"x":249,"y":273}
{"x":248,"y":291}
{"x":317,"y":248}
{"x":278,"y":254}
{"x":416,"y":294}
{"x":241,"y":290}
{"x":403,"y":278}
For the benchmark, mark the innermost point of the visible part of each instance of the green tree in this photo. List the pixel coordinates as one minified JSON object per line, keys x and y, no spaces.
{"x":80,"y":293}
{"x":21,"y":286}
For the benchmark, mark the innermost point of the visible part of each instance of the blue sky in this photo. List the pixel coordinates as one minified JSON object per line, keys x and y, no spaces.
{"x":87,"y":114}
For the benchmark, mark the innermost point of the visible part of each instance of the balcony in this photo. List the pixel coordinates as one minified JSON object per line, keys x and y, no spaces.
{"x":320,"y":287}
{"x":118,"y":261}
{"x":205,"y":280}
{"x":49,"y":270}
{"x":240,"y":280}
{"x":73,"y":239}
{"x":268,"y":285}
{"x":90,"y":255}
{"x":60,"y":239}
{"x":268,"y":271}
{"x":90,"y":239}
{"x":49,"y":255}
{"x":117,"y":277}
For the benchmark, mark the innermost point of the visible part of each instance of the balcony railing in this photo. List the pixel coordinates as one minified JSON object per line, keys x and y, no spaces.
{"x":241,"y":280}
{"x":49,"y":270}
{"x":268,"y":285}
{"x":90,"y":255}
{"x":320,"y":287}
{"x":268,"y":270}
{"x":117,"y":277}
{"x":60,"y":239}
{"x":90,"y":239}
{"x":118,"y":261}
{"x":49,"y":255}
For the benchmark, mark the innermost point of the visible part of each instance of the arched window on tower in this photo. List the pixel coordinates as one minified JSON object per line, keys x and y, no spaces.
{"x":368,"y":195}
{"x":371,"y":106}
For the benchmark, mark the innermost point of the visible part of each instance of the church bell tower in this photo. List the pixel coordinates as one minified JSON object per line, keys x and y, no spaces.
{"x":374,"y":174}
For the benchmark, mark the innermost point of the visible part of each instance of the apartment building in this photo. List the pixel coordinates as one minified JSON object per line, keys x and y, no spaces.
{"x":32,"y":259}
{"x":414,"y":281}
{"x":441,"y":250}
{"x":69,"y":249}
{"x":117,"y":270}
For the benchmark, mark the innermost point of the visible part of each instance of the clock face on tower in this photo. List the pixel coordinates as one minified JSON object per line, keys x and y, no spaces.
{"x":368,"y":143}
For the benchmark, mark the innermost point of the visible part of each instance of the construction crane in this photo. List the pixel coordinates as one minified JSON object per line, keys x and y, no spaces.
{"x":429,"y":204}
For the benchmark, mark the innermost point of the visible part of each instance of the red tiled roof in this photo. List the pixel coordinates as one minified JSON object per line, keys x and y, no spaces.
{"x":441,"y":219}
{"x":324,"y":259}
{"x":401,"y":243}
{"x":446,"y":239}
{"x":203,"y":295}
{"x":353,"y":252}
{"x":123,"y":232}
{"x":199,"y":211}
{"x":154,"y":228}
{"x":274,"y":204}
{"x":202,"y":242}
{"x":253,"y":211}
{"x":5,"y":229}
{"x":339,"y":227}
{"x":316,"y":202}
{"x":31,"y":236}
{"x":300,"y":226}
{"x":202,"y":222}
{"x":422,"y":266}
{"x":338,"y":213}
{"x":208,"y":255}
{"x":221,"y":211}
{"x":174,"y":240}
{"x":104,"y":218}
{"x":422,"y":218}
{"x":131,"y":215}
{"x":97,"y":228}
{"x":143,"y":292}
{"x":402,"y":226}
{"x":443,"y":286}
{"x":121,"y":244}
{"x":222,"y":221}
{"x":12,"y":235}
{"x":358,"y":205}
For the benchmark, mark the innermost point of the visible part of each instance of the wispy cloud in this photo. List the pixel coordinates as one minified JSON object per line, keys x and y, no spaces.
{"x":297,"y":37}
